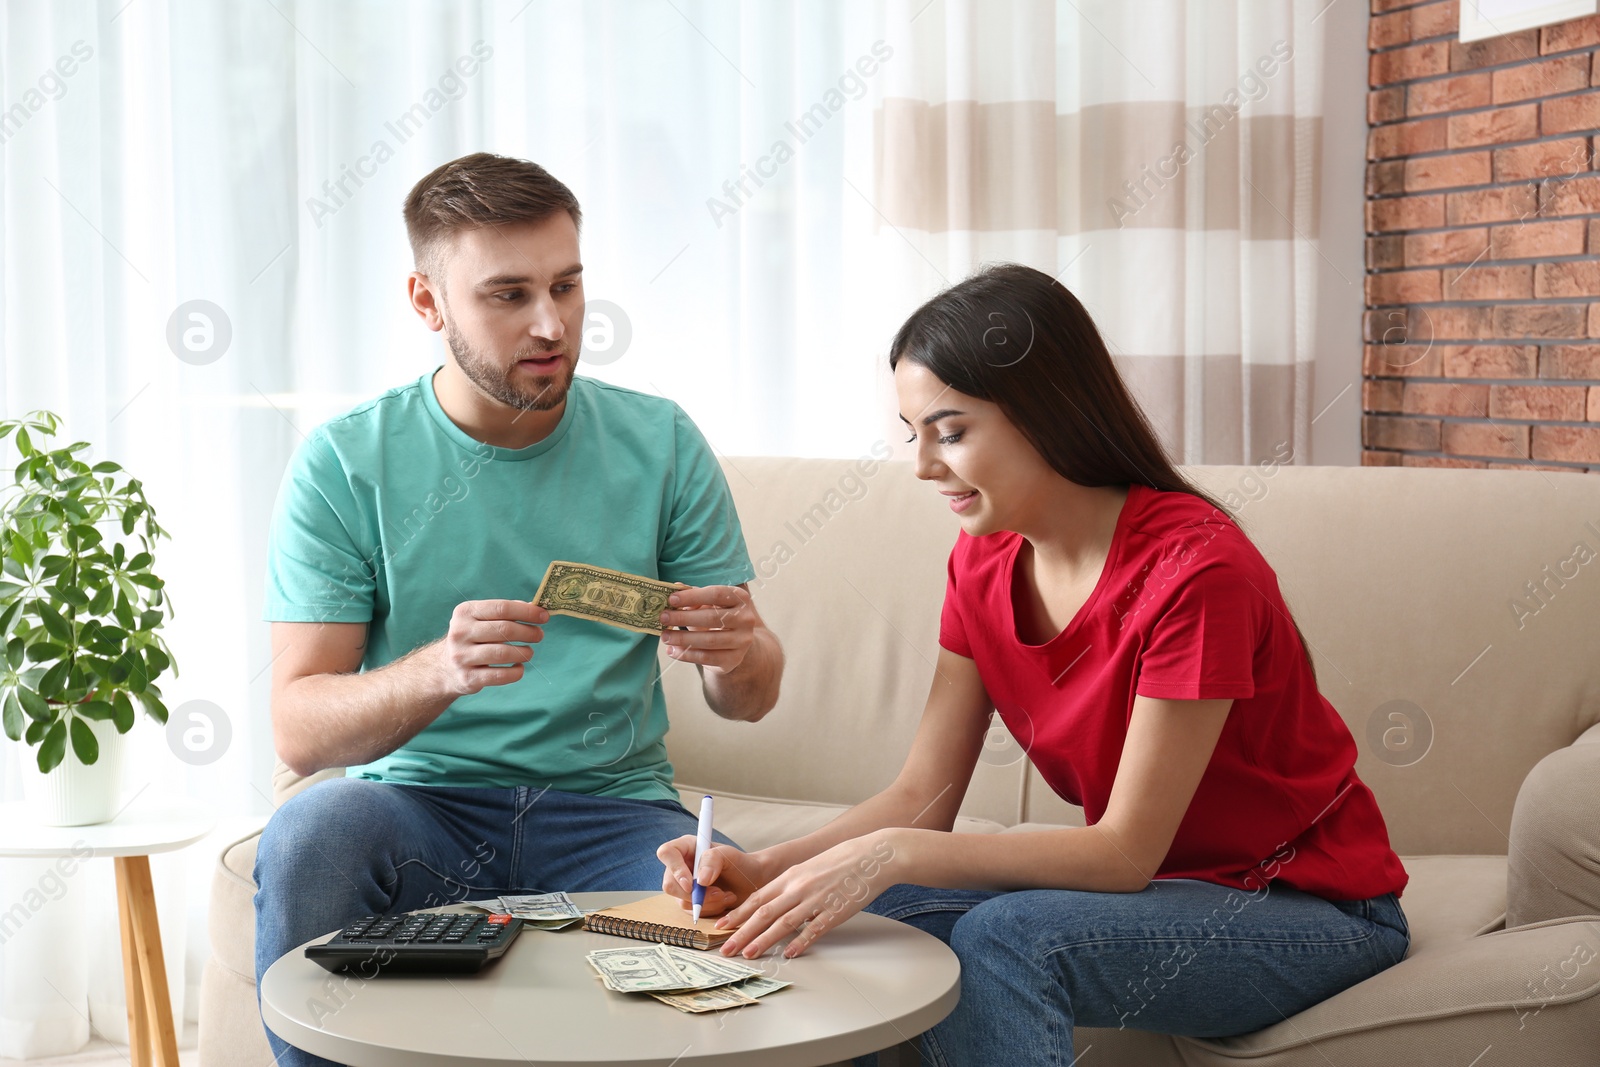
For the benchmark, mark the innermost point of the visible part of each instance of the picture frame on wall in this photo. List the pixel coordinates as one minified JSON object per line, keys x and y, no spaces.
{"x":1481,"y":19}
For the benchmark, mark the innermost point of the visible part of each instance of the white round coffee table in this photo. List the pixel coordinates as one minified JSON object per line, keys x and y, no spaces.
{"x":867,"y":985}
{"x":142,"y":828}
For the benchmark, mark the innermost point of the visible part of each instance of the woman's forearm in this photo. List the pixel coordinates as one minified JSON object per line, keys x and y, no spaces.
{"x":1075,"y":857}
{"x":897,"y":806}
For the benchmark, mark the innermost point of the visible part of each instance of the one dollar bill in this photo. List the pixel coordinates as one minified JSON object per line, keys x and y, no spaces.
{"x":602,"y":595}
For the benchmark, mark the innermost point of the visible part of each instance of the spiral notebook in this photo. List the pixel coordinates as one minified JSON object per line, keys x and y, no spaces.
{"x":658,"y":918}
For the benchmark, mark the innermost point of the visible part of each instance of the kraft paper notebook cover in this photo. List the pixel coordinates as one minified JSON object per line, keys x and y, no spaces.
{"x":657,"y":918}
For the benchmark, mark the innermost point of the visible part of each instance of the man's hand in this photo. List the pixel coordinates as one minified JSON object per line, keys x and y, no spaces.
{"x":722,"y":625}
{"x":477,"y":650}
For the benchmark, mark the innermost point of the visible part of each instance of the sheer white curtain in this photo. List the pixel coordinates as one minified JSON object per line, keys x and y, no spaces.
{"x":255,"y":156}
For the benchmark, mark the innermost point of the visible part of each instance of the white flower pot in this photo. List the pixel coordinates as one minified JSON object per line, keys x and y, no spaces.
{"x":74,"y":794}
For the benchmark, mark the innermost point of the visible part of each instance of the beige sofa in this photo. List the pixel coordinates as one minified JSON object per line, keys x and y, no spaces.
{"x":1456,"y":626}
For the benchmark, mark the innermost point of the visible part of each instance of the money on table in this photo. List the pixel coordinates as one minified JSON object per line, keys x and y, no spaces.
{"x":599,"y":594}
{"x":689,"y":981}
{"x":542,"y":911}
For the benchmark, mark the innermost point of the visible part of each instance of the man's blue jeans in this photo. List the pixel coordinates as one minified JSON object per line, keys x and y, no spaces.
{"x":349,"y":847}
{"x":1178,"y":957}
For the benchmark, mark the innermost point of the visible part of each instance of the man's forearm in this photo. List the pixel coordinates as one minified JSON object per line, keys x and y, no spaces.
{"x":344,"y":720}
{"x":750,"y":690}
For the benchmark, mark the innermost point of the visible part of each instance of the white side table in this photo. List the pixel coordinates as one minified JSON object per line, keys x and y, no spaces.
{"x":868,"y":984}
{"x":144,"y":828}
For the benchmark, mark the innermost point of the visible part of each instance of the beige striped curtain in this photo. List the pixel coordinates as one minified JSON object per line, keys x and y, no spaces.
{"x":1159,"y":156}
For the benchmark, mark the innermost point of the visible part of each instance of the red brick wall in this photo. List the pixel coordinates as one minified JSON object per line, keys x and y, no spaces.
{"x":1482,"y":327}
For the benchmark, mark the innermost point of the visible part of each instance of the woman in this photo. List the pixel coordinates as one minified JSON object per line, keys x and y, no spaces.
{"x":1234,"y":870}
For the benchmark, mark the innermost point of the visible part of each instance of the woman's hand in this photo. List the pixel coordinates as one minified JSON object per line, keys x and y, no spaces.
{"x":729,"y":875}
{"x":811,"y":898}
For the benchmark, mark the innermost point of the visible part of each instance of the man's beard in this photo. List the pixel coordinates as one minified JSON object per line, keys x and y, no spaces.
{"x":546,"y":395}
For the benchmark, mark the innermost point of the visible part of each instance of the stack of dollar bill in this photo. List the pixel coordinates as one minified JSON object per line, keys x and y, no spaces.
{"x":542,"y":911}
{"x":689,"y":981}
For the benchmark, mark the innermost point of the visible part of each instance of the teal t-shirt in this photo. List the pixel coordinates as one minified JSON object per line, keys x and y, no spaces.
{"x":391,"y":514}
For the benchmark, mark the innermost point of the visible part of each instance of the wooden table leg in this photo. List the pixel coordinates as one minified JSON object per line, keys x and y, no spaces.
{"x":132,"y":978}
{"x":151,"y":1036}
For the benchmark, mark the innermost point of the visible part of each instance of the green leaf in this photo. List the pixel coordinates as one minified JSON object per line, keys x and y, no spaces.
{"x":54,"y":747}
{"x":51,"y":566}
{"x":43,"y":651}
{"x":129,"y":517}
{"x":107,"y":467}
{"x":122,"y":711}
{"x":153,"y":706}
{"x":14,"y":652}
{"x":54,"y":680}
{"x":21,"y":550}
{"x":140,"y":562}
{"x":96,"y":709}
{"x":84,"y":742}
{"x":150,"y":620}
{"x":102,"y":601}
{"x":25,"y":443}
{"x":117,"y":554}
{"x":12,"y":714}
{"x":34,"y":705}
{"x":34,"y":732}
{"x":83,"y":536}
{"x":158,"y":661}
{"x":149,"y":581}
{"x":8,"y":617}
{"x":9,"y":590}
{"x":53,"y":621}
{"x":72,"y":595}
{"x":124,"y":612}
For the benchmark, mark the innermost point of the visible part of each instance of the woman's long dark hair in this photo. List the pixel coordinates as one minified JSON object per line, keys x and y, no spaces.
{"x":1016,"y":337}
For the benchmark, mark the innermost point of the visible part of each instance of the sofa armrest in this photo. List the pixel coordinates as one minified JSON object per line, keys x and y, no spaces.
{"x":1553,"y":865}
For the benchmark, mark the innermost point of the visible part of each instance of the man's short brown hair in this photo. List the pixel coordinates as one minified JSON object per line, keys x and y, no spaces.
{"x":482,"y":189}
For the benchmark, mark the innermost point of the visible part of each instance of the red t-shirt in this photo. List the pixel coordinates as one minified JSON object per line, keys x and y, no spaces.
{"x":1185,"y":609}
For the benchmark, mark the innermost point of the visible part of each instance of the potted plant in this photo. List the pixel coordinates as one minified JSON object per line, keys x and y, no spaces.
{"x":80,"y":620}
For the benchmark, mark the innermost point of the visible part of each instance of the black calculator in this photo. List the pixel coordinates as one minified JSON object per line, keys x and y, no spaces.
{"x":427,"y":943}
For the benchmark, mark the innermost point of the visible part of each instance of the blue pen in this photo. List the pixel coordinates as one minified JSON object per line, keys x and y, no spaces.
{"x":702,"y":845}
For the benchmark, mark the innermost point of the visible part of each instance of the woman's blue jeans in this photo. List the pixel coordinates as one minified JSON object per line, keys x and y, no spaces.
{"x":349,"y":847}
{"x":1178,"y":957}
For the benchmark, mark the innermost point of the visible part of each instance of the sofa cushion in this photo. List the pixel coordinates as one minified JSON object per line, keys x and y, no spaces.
{"x":850,"y":574}
{"x":759,"y":822}
{"x":1452,"y":898}
{"x":1367,"y":558}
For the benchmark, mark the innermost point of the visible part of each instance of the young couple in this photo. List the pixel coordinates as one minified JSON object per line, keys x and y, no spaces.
{"x":1234,"y":870}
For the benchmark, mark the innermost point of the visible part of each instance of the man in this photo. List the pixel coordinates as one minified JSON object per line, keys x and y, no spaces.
{"x":405,"y":535}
